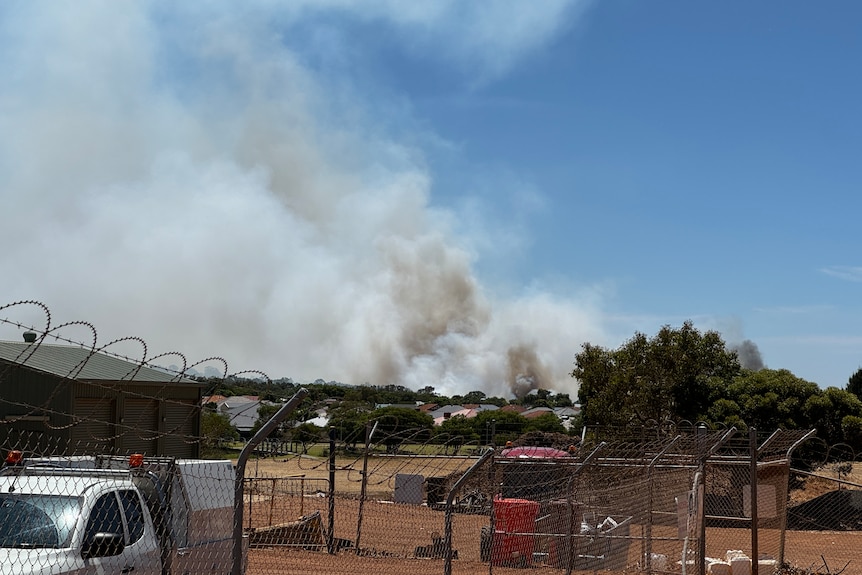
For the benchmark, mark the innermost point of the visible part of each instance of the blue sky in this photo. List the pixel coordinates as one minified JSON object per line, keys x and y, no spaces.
{"x":698,"y":159}
{"x":454,"y":194}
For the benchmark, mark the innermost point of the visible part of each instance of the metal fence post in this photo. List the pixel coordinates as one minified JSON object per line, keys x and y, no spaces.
{"x":752,"y":450}
{"x":262,"y":433}
{"x":330,"y":537}
{"x":450,"y":498}
{"x":646,"y":547}
{"x":570,"y":528}
{"x":369,"y":433}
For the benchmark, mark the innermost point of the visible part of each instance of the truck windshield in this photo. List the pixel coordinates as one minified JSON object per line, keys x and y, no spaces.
{"x":28,"y":520}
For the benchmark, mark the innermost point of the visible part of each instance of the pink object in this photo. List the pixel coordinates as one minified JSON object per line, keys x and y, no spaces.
{"x":531,"y":451}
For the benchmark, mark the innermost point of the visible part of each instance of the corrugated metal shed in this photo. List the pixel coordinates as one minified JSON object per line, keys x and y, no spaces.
{"x":64,"y":399}
{"x":66,"y":360}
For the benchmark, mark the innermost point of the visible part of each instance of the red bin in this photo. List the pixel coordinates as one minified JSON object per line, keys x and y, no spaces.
{"x":514,"y":531}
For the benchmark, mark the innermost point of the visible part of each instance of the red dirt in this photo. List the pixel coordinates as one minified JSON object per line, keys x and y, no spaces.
{"x":400,"y":528}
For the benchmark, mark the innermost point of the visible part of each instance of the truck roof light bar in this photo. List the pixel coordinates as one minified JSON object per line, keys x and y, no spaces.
{"x":14,"y":457}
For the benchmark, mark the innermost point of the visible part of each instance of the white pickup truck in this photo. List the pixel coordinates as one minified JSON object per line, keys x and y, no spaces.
{"x":108,"y":515}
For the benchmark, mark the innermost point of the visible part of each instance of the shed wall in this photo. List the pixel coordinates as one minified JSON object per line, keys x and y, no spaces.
{"x":46,"y":414}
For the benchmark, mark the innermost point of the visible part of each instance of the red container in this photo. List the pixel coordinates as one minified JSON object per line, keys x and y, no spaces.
{"x":514,"y":531}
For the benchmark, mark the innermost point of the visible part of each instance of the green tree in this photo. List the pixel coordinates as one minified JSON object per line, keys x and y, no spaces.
{"x":497,"y":427}
{"x":426,"y":394}
{"x":767,"y":399}
{"x":265,"y":411}
{"x":851,"y":429}
{"x":498,"y":401}
{"x":674,"y":375}
{"x":348,"y":421}
{"x":538,"y":398}
{"x":826,"y":411}
{"x":546,"y":423}
{"x":562,"y":400}
{"x":306,"y":434}
{"x":395,"y":425}
{"x":474,"y":397}
{"x":726,"y":411}
{"x":457,"y":431}
{"x":597,"y":373}
{"x":362,"y":394}
{"x":854,"y":384}
{"x":216,"y":429}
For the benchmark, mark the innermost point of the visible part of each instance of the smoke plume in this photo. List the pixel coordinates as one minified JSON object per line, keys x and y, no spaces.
{"x":526,"y":371}
{"x":749,"y":355}
{"x":186,"y":177}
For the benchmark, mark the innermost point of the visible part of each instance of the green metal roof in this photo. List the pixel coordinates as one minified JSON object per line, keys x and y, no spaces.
{"x":66,"y":360}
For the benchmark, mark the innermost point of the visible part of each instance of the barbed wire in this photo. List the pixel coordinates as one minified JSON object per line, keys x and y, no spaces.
{"x":121,"y":428}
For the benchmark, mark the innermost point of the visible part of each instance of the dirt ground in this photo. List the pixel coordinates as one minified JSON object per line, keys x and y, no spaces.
{"x":813,"y":552}
{"x":390,"y":533}
{"x":348,"y":477}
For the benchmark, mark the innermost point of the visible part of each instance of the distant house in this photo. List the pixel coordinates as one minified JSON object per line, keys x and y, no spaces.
{"x":536,"y":412}
{"x":564,"y":414}
{"x":513,"y":407}
{"x":67,"y":400}
{"x":479,"y":407}
{"x":445,"y":412}
{"x":216,"y":399}
{"x":441,"y":414}
{"x":242,"y":411}
{"x":567,"y":412}
{"x":468,"y":413}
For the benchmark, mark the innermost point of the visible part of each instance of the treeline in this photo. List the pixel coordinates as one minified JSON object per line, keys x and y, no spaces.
{"x":685,"y":375}
{"x":372,"y":395}
{"x":679,"y":375}
{"x":353,"y":409}
{"x":355,"y":422}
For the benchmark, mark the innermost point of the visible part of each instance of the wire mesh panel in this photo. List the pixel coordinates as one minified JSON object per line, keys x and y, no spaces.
{"x":286,"y":512}
{"x":824,"y":514}
{"x":610,"y":506}
{"x":650,"y":489}
{"x":746,"y":499}
{"x":389,"y":512}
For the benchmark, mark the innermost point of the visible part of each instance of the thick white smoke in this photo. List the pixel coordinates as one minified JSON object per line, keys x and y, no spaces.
{"x":185,"y":178}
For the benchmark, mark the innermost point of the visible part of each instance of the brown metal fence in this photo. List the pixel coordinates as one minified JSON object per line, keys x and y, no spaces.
{"x":675,"y":503}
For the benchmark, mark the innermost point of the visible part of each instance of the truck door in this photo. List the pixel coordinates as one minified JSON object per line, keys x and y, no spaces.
{"x":141,"y":535}
{"x":138,"y":556}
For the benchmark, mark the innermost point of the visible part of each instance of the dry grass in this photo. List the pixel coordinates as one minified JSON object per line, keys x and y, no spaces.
{"x":348,"y":477}
{"x":827,"y":479}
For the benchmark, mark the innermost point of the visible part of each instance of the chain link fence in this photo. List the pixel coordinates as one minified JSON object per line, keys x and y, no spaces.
{"x":667,"y":504}
{"x":609,"y":506}
{"x":660,"y":499}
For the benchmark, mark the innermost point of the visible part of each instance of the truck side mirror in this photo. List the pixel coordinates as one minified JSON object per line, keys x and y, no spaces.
{"x":103,"y":545}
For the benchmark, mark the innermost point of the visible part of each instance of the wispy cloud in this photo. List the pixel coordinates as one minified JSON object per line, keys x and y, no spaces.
{"x":848,"y":273}
{"x":483,"y":39}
